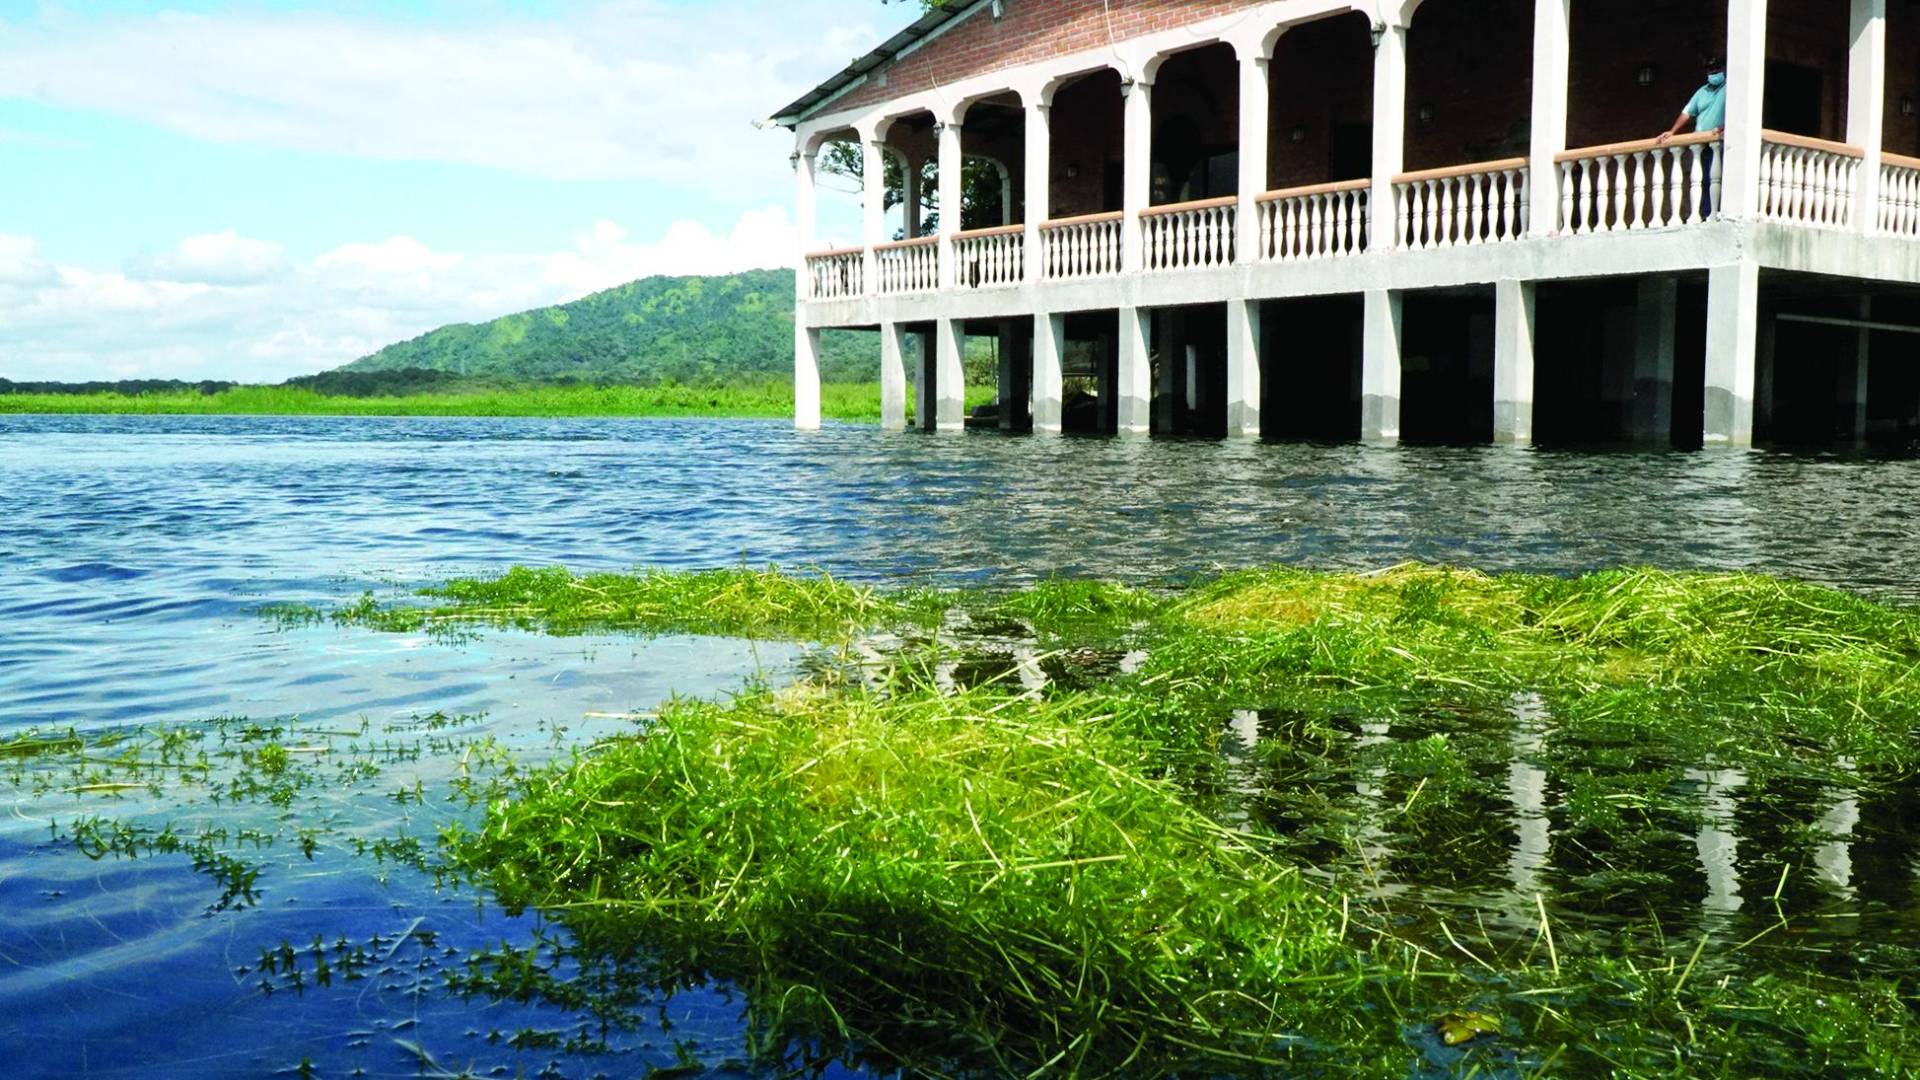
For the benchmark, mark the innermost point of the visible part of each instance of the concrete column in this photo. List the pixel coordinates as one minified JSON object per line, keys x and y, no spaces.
{"x":950,"y":377}
{"x":806,"y":377}
{"x":1746,"y":90}
{"x":1253,"y":165}
{"x":1389,"y":146}
{"x":1733,"y":314}
{"x":911,"y":194}
{"x":1551,"y":53}
{"x":1049,"y":355}
{"x":1039,"y":184}
{"x":1137,"y":182}
{"x":1867,"y":105}
{"x":926,"y":401}
{"x":1380,"y":368}
{"x":893,"y":377}
{"x":1134,"y":394}
{"x":806,"y":214}
{"x":873,"y":205}
{"x":1513,"y":363}
{"x":1006,"y":192}
{"x":1016,"y":376}
{"x":1850,"y":389}
{"x":1656,"y":316}
{"x":1243,"y":369}
{"x":951,"y":166}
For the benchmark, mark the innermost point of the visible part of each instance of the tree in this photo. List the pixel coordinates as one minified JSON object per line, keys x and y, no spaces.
{"x":980,"y":190}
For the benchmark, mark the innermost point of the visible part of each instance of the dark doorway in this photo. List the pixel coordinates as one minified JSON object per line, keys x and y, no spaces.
{"x":1310,"y":353}
{"x":1190,"y":371}
{"x":1446,"y":368}
{"x":1793,"y":98}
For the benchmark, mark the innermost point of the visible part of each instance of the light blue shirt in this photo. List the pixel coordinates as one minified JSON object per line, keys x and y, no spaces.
{"x":1709,"y":105}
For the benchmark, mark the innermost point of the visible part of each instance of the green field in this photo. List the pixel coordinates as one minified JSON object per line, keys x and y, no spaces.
{"x":858,"y":402}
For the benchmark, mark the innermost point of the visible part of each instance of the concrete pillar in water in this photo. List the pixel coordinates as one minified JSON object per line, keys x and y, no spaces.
{"x":806,"y":378}
{"x":1656,"y":322}
{"x":1133,"y":396}
{"x":950,"y":377}
{"x":1380,"y":368}
{"x":1049,"y":357}
{"x":1850,"y":388}
{"x":1513,"y":323}
{"x":1243,"y":369}
{"x":1733,"y":315}
{"x":893,"y":377}
{"x":1016,"y":376}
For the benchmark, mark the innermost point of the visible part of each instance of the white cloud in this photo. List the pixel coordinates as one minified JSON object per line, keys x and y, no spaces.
{"x":633,"y":90}
{"x":222,"y":258}
{"x":73,"y":323}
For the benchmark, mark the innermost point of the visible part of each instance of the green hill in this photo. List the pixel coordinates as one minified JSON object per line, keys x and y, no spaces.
{"x":686,"y":329}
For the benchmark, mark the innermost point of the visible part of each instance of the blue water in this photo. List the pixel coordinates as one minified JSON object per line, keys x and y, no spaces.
{"x":135,"y":554}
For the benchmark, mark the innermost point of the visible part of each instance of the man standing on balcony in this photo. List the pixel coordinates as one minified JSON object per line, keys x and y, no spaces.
{"x":1706,"y":111}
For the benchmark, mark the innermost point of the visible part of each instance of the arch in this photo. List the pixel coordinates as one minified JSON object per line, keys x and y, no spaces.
{"x":1262,"y":45}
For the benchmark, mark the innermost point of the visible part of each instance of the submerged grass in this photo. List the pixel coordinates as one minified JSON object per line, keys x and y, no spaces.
{"x":987,"y":878}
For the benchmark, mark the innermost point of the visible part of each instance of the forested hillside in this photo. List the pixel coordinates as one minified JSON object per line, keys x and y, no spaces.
{"x":686,"y":329}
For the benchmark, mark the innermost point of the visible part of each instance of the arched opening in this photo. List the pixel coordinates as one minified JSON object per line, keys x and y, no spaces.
{"x":1807,"y":62}
{"x":1320,"y":103}
{"x":993,"y":152}
{"x":1467,"y":105}
{"x":1196,"y":132}
{"x":1087,"y":151}
{"x":1627,"y":84}
{"x":1903,"y":79}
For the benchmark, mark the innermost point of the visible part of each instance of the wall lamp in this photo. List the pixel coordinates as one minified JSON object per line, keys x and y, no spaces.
{"x":1906,"y":105}
{"x":1299,"y":135}
{"x":1644,"y":76}
{"x":1426,"y":114}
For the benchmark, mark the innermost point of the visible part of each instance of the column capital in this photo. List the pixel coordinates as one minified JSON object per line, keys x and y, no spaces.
{"x":1129,"y":85}
{"x":941,"y":127}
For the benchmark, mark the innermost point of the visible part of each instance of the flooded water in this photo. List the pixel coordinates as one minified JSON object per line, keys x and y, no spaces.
{"x":136,"y":553}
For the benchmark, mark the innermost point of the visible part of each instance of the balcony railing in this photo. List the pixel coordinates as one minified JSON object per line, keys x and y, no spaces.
{"x":907,"y":266}
{"x":1189,"y":235}
{"x":1465,"y":205}
{"x":1808,"y":181}
{"x":1081,"y":247}
{"x":1900,"y":195}
{"x":1625,"y":187}
{"x":1317,"y":222}
{"x":991,"y":257}
{"x":836,"y":275}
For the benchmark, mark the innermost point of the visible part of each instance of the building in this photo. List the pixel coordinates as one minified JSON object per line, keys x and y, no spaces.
{"x":1430,"y":220}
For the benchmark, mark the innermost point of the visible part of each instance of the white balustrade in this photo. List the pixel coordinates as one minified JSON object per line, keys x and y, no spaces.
{"x":836,"y":275}
{"x":991,"y":257}
{"x":1317,"y":222}
{"x":1808,"y":181}
{"x":1900,"y":196}
{"x":906,"y":266}
{"x":1461,"y":206}
{"x":1188,"y":236}
{"x":1081,"y":247}
{"x":1624,"y":187}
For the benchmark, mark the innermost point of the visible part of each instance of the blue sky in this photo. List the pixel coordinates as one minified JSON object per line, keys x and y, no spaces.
{"x":205,"y":189}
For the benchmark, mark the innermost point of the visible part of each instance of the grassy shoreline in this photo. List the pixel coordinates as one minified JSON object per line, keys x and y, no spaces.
{"x":855,"y":402}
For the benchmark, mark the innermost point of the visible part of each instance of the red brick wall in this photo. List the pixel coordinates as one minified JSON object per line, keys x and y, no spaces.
{"x":1903,"y":77}
{"x":1031,"y":31}
{"x":1321,"y":78}
{"x":1471,"y":61}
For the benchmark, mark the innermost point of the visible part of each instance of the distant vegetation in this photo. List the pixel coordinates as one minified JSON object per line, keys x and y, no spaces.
{"x":662,"y":346}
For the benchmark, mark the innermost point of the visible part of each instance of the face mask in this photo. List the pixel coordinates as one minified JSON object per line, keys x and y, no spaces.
{"x":1717,"y":80}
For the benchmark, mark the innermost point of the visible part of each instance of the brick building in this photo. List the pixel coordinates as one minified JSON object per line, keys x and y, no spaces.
{"x":1436,"y":220}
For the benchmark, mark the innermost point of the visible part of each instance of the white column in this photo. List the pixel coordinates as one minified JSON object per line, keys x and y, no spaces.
{"x":893,"y":377}
{"x":1656,"y":332}
{"x":1746,"y":90}
{"x":873,"y":204}
{"x":950,"y":377}
{"x":1253,"y":162}
{"x":1733,"y":313}
{"x":806,"y":215}
{"x":1389,"y":143}
{"x":1134,"y":394}
{"x":1380,"y":368}
{"x":1049,"y":353}
{"x":1137,"y":182}
{"x":806,"y":377}
{"x":1513,"y":363}
{"x":951,"y":165}
{"x":1867,"y":106}
{"x":1243,"y":368}
{"x":1006,"y":192}
{"x":911,"y":196}
{"x":1551,"y":52}
{"x":1039,"y":187}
